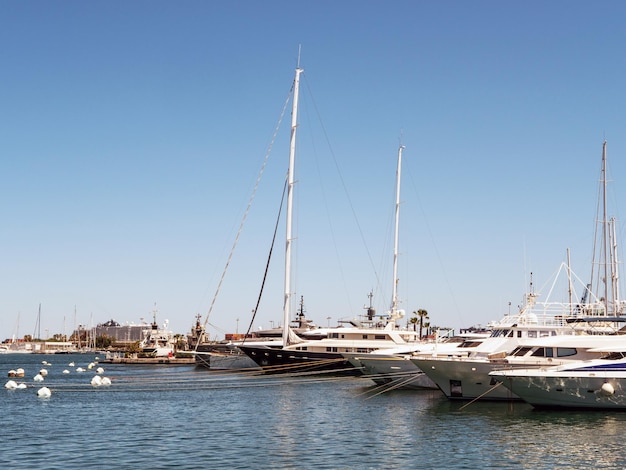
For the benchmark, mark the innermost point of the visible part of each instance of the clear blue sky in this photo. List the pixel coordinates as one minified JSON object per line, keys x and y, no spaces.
{"x":131,"y":134}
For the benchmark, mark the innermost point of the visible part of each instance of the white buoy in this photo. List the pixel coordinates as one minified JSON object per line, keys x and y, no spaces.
{"x":43,"y":372}
{"x":12,"y":373}
{"x":106,"y":381}
{"x":44,"y":392}
{"x":21,"y":386}
{"x":91,"y":365}
{"x":38,"y":378}
{"x":80,"y":369}
{"x":19,"y":372}
{"x":607,"y":389}
{"x":10,"y":385}
{"x":71,"y":364}
{"x":66,"y":371}
{"x":96,"y":381}
{"x":100,"y":370}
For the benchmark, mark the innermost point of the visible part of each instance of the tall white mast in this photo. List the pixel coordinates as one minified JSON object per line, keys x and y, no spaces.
{"x":290,"y":185}
{"x":394,"y":294}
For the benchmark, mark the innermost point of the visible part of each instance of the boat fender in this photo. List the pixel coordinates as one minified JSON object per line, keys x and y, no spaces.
{"x":10,"y":385}
{"x":96,"y":381}
{"x":607,"y":389}
{"x":44,"y":392}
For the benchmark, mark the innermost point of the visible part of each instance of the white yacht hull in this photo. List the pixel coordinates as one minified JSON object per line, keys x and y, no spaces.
{"x":567,"y":389}
{"x":465,"y":379}
{"x":397,"y":372}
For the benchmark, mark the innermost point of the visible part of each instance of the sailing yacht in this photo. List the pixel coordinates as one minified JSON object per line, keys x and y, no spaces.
{"x":598,"y":312}
{"x":362,"y":336}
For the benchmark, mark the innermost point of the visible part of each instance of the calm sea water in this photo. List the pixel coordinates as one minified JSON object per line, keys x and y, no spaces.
{"x":158,"y":417}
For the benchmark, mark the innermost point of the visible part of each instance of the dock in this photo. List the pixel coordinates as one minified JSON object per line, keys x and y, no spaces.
{"x":172,"y":361}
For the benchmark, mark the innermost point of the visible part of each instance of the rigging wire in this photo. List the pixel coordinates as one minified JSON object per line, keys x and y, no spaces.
{"x":267,"y":264}
{"x":345,"y":190}
{"x":434,"y":245}
{"x":245,"y":215}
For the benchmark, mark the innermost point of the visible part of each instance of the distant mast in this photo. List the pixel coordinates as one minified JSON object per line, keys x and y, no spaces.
{"x":290,"y":185}
{"x":37,"y":331}
{"x":604,"y":256}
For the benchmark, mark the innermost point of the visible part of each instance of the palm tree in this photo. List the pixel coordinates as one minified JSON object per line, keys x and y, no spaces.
{"x":414,"y":321}
{"x":422,"y":315}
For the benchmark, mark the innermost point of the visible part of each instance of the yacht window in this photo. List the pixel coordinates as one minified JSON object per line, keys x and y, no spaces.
{"x":549,"y":352}
{"x":614,"y":356}
{"x":521,"y":351}
{"x":539,"y":352}
{"x":364,"y":336}
{"x":362,"y":350}
{"x":532,"y":334}
{"x":379,"y":337}
{"x":510,"y":335}
{"x":564,"y":352}
{"x":519,"y":334}
{"x":334,"y":335}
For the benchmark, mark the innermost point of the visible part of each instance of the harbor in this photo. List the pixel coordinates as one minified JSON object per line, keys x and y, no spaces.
{"x":313,"y":236}
{"x":266,"y":420}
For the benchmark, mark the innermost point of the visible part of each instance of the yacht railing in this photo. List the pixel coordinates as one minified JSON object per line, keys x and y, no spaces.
{"x":555,"y":314}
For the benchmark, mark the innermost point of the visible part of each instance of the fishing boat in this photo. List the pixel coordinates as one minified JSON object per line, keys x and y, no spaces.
{"x":597,"y":311}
